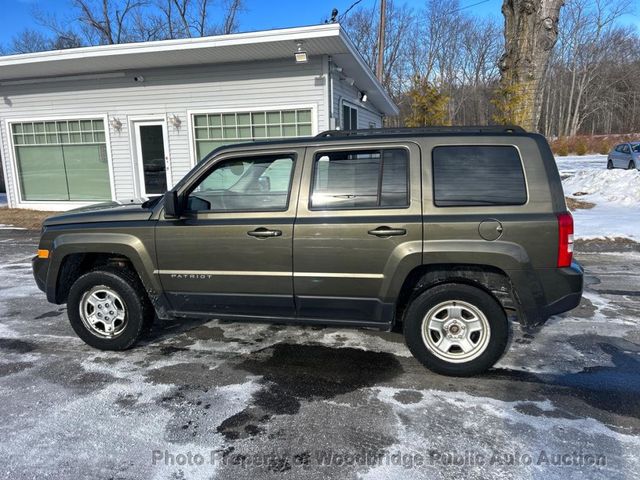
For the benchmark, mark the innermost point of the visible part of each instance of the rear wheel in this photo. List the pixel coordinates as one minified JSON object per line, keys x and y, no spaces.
{"x":109,"y":309}
{"x":609,"y":164}
{"x":456,"y":329}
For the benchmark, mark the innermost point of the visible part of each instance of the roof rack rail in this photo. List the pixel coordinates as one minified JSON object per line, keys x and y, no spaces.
{"x":421,"y":130}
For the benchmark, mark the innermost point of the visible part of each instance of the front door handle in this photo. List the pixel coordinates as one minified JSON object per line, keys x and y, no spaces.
{"x":265,"y":233}
{"x":387,"y":232}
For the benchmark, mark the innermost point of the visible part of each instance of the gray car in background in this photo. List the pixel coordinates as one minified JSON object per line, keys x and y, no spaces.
{"x":624,"y":155}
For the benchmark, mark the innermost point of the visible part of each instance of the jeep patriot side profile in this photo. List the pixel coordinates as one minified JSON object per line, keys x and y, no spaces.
{"x":445,"y":232}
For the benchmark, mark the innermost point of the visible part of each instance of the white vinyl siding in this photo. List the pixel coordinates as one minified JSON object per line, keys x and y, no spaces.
{"x":255,"y":86}
{"x":212,"y":130}
{"x":368,"y":116}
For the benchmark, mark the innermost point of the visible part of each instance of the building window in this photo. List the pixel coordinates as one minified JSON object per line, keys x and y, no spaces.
{"x":212,"y":130}
{"x":361,"y":179}
{"x":349,"y":117}
{"x":62,"y":160}
{"x":478,"y":176}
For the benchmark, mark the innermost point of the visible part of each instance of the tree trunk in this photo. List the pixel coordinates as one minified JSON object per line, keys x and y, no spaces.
{"x":531,"y":31}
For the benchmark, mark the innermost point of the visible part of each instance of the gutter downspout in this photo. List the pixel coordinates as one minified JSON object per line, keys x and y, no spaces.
{"x":332,"y":120}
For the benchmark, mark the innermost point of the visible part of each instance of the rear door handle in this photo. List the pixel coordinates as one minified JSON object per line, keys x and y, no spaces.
{"x":265,"y":233}
{"x":387,"y":232}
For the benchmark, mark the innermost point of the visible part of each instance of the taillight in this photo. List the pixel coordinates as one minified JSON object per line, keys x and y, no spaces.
{"x":565,"y":239}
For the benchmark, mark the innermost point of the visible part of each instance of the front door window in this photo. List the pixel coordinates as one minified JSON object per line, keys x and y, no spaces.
{"x":250,"y":184}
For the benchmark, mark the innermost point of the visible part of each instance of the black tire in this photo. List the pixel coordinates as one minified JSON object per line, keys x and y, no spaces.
{"x":632,"y":165}
{"x":609,"y":165}
{"x":138,"y":308}
{"x":455,"y":292}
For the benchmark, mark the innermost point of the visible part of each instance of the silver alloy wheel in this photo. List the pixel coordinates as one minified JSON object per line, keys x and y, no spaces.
{"x":456,"y":331}
{"x":103,"y":312}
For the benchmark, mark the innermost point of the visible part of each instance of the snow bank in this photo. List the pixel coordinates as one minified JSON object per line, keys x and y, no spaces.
{"x":605,"y":186}
{"x":615,"y":193}
{"x":607,"y":221}
{"x":572,"y":164}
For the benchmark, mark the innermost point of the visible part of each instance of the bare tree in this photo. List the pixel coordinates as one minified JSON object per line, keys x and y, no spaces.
{"x":592,"y":85}
{"x":197,"y":18}
{"x":29,"y":41}
{"x":364,"y":33}
{"x":530,"y":32}
{"x":98,"y":22}
{"x":111,"y":20}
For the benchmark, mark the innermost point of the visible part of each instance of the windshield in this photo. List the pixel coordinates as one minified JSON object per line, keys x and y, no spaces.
{"x":635,"y":147}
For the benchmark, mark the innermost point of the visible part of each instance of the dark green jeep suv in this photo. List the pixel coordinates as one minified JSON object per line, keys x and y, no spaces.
{"x":447,"y":233}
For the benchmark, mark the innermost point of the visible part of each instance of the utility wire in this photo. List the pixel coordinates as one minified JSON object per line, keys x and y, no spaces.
{"x":354,"y":4}
{"x":349,"y":9}
{"x":468,"y":6}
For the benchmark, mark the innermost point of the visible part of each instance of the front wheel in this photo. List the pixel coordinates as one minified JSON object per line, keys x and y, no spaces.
{"x":456,"y":329}
{"x":609,"y":165}
{"x":632,"y":165}
{"x":109,"y":309}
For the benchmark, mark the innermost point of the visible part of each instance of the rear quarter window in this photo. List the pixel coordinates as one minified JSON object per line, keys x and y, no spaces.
{"x":479,"y":175}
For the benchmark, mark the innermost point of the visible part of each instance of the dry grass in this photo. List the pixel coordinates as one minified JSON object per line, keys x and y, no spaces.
{"x":575,"y":204}
{"x":19,"y":217}
{"x":588,"y":144}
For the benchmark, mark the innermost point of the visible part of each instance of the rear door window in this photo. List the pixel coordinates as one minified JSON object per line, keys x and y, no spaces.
{"x":360,"y":179}
{"x":478,"y":175}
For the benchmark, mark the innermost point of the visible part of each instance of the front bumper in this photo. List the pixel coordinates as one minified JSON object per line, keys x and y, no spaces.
{"x":40,"y":268}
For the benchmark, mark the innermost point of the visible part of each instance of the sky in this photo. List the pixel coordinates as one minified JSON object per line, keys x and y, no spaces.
{"x":16,"y":15}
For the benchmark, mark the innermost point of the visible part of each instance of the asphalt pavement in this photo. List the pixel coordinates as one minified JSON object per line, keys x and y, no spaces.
{"x":212,"y":399}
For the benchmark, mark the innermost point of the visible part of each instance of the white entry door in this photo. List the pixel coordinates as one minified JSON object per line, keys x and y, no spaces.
{"x":152,"y":157}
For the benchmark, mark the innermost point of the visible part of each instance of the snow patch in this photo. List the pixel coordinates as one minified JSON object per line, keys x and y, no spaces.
{"x":615,"y":193}
{"x":571,"y":164}
{"x":10,"y":227}
{"x":452,"y":422}
{"x":605,"y":186}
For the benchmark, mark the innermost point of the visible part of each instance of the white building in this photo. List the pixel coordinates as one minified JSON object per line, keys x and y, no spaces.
{"x":125,"y":121}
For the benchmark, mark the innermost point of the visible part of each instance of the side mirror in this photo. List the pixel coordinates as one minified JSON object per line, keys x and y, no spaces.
{"x":171,"y":204}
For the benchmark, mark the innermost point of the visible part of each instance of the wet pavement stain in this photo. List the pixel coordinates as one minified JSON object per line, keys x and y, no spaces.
{"x":308,"y":371}
{"x":615,"y":389}
{"x":73,"y":376}
{"x":15,"y":367}
{"x":625,"y":293}
{"x":408,"y":397}
{"x":48,"y":315}
{"x":16,"y":346}
{"x":196,"y":375}
{"x":241,"y":425}
{"x":293,"y":373}
{"x":534,"y":410}
{"x":127,"y":401}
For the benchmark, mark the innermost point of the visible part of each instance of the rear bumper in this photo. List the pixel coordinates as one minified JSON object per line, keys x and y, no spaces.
{"x":545,"y":292}
{"x":566,"y":303}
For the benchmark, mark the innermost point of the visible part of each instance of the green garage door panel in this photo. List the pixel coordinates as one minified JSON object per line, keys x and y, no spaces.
{"x":87,"y":172}
{"x":41,"y":171}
